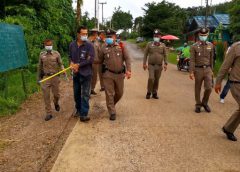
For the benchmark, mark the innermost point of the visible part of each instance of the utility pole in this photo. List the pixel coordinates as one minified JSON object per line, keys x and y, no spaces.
{"x":96,"y":3}
{"x":206,"y":16}
{"x":102,"y":3}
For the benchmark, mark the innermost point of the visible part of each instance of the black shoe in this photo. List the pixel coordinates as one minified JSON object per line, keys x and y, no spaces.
{"x":93,"y":92}
{"x":77,"y":114}
{"x":155,"y":96}
{"x":102,"y":89}
{"x":112,"y":117}
{"x":57,"y":107}
{"x":48,"y":117}
{"x":84,"y":118}
{"x":207,"y":108}
{"x":148,"y":95}
{"x":230,"y":136}
{"x":197,"y":109}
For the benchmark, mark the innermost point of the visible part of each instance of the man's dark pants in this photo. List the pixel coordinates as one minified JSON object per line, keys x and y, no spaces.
{"x":81,"y":87}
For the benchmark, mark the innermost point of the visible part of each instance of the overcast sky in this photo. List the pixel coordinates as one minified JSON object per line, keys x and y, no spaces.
{"x":135,"y":6}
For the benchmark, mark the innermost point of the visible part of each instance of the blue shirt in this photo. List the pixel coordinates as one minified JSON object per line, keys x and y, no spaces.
{"x":82,"y":55}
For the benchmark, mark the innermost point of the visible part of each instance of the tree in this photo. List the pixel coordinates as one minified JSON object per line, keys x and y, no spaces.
{"x":121,"y":19}
{"x":138,"y":24}
{"x":167,"y":17}
{"x":235,"y":20}
{"x":79,"y":11}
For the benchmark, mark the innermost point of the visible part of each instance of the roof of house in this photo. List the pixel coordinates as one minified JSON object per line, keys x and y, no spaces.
{"x":222,"y":18}
{"x":200,"y":20}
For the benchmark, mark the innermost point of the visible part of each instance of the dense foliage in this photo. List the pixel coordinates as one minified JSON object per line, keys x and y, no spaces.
{"x":121,"y":19}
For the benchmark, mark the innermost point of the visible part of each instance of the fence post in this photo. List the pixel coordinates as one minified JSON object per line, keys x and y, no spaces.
{"x":24,"y":83}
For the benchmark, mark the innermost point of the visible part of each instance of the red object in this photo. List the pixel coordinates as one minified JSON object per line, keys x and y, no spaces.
{"x":170,"y":37}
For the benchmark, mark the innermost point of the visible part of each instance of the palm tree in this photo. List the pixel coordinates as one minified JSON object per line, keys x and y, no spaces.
{"x":79,"y":11}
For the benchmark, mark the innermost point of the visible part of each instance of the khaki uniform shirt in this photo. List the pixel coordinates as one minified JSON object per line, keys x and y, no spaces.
{"x":155,"y":54}
{"x":232,"y":60}
{"x":49,"y":63}
{"x":114,"y":57}
{"x":96,"y":46}
{"x":201,"y":54}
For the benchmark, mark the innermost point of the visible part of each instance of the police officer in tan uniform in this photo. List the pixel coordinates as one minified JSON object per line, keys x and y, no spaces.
{"x":113,"y":58}
{"x":201,"y":69}
{"x":50,"y":63}
{"x":93,"y":38}
{"x":156,"y":56}
{"x":232,"y":60}
{"x":101,"y":41}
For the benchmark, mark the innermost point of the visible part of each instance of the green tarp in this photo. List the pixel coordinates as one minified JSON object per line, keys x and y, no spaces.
{"x":13,"y":52}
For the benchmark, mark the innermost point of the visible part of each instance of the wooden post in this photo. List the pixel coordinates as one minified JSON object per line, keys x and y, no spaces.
{"x":24,"y":83}
{"x":5,"y":85}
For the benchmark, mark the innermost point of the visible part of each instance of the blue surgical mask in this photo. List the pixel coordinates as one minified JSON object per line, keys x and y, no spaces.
{"x":156,"y":39}
{"x":203,"y":38}
{"x":109,"y":41}
{"x":84,"y":38}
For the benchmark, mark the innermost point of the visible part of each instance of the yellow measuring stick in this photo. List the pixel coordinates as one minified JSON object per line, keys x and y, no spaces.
{"x":54,"y":75}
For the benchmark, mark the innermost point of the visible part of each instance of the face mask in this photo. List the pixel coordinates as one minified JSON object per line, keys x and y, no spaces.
{"x":156,"y":39}
{"x":109,"y":41}
{"x":49,"y":48}
{"x":203,"y":38}
{"x":84,"y":38}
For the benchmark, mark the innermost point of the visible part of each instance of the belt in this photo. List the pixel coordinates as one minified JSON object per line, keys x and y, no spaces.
{"x":234,"y":82}
{"x":155,"y":64}
{"x":203,"y":66}
{"x":48,"y":74}
{"x":120,"y":72}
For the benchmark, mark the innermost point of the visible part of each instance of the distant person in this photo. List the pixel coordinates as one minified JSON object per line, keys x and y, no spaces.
{"x":225,"y":90}
{"x":201,"y":69}
{"x":185,"y":53}
{"x":50,"y":63}
{"x":232,"y":60}
{"x":81,"y":55}
{"x":156,"y":56}
{"x":93,"y":38}
{"x":116,"y":66}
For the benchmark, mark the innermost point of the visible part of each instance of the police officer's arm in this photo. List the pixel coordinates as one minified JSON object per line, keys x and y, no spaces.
{"x":146,"y":55}
{"x":59,"y":60}
{"x":227,"y":64}
{"x":212,"y":57}
{"x":40,"y":72}
{"x":90,"y":57}
{"x":192,"y":60}
{"x":127,"y":59}
{"x":101,"y":56}
{"x":165,"y":55}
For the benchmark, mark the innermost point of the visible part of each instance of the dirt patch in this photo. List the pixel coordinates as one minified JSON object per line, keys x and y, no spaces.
{"x":27,"y":142}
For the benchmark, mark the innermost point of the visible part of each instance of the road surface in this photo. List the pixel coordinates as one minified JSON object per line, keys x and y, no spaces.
{"x":152,"y":135}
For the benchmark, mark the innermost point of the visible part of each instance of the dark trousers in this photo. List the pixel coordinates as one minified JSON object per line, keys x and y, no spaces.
{"x":81,"y":88}
{"x":225,"y":90}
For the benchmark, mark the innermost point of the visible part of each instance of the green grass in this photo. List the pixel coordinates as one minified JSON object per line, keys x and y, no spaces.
{"x":15,"y":93}
{"x":172,"y":57}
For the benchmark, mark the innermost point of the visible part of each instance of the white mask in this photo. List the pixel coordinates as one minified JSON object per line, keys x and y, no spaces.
{"x":84,"y":38}
{"x":203,"y":38}
{"x":49,"y":48}
{"x":156,"y":39}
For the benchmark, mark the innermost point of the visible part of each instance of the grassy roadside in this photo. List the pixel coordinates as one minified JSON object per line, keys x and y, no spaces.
{"x":16,"y":96}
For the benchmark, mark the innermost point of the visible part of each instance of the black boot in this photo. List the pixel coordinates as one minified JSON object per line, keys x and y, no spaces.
{"x":57,"y":107}
{"x":198,"y":109}
{"x":84,"y":118}
{"x":148,"y":95}
{"x":48,"y":117}
{"x":112,"y":117}
{"x":155,"y":96}
{"x":207,"y":108}
{"x":229,"y":135}
{"x":93,"y":92}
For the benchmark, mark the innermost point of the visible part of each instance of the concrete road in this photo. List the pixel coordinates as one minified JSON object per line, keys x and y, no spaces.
{"x":153,"y":135}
